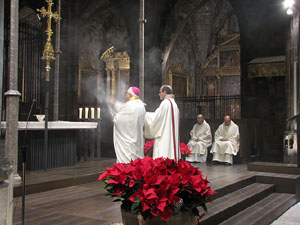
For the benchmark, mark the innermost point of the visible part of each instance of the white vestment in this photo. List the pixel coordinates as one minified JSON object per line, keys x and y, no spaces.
{"x":128,"y":136}
{"x":199,"y":148}
{"x":159,"y":126}
{"x":223,"y":150}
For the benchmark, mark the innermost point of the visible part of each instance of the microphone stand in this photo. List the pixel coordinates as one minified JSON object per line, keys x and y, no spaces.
{"x":24,"y":149}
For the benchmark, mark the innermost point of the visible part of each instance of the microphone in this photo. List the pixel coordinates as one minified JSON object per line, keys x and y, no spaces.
{"x":31,"y":107}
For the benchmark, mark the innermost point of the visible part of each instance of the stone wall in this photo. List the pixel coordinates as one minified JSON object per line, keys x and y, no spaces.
{"x":183,"y":54}
{"x":68,"y":80}
{"x":262,"y":28}
{"x":6,"y":192}
{"x":98,"y":33}
{"x":266,"y":101}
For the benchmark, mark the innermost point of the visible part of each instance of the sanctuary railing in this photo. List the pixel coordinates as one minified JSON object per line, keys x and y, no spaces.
{"x":212,"y":107}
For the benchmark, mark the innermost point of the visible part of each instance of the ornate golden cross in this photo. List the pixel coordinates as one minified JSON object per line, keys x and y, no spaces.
{"x":48,"y":53}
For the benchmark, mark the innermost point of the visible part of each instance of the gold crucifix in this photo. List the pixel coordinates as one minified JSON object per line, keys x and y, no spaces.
{"x":48,"y":56}
{"x":48,"y":53}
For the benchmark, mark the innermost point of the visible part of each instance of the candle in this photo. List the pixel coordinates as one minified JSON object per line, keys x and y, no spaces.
{"x":92,"y":113}
{"x":98,"y":112}
{"x":80,"y":113}
{"x":86,"y":112}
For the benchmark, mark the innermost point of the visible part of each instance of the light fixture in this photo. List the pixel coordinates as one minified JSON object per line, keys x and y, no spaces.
{"x":289,"y":11}
{"x":288,"y":3}
{"x":38,"y":16}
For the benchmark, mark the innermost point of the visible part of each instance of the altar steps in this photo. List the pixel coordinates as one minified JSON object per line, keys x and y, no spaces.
{"x":224,"y":207}
{"x":260,"y":199}
{"x":263,"y":212}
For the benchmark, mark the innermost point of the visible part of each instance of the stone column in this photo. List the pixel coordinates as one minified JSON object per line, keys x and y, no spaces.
{"x":108,"y":77}
{"x":56,"y":72}
{"x":141,"y":49}
{"x":113,"y":82}
{"x":6,"y":192}
{"x":2,"y":152}
{"x":12,"y":95}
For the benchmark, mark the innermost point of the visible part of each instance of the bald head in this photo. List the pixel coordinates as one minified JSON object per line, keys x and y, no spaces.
{"x":227,"y":120}
{"x":200,"y":119}
{"x":165,"y":90}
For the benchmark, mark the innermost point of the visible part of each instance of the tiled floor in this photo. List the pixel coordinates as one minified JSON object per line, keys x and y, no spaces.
{"x":290,"y":217}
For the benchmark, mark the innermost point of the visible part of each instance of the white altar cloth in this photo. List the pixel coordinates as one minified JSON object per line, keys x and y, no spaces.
{"x":53,"y":125}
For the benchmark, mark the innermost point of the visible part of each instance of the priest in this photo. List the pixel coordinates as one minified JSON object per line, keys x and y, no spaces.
{"x":200,"y":140}
{"x":163,"y":126}
{"x":128,"y":122}
{"x":226,"y":142}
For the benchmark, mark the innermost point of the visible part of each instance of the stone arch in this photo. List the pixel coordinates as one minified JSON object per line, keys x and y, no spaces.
{"x":204,"y":19}
{"x":100,"y":27}
{"x":181,"y":16}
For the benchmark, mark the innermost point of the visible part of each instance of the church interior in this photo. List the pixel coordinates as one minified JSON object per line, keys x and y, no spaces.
{"x":221,"y":57}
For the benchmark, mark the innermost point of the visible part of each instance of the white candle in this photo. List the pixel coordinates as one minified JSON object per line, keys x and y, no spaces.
{"x":80,"y":113}
{"x":98,"y":112}
{"x":86,"y":112}
{"x":92,"y":113}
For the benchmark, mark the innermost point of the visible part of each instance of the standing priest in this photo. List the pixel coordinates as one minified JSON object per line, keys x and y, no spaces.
{"x":227,"y":142}
{"x":163,"y":126}
{"x":128,"y":122}
{"x":200,"y":140}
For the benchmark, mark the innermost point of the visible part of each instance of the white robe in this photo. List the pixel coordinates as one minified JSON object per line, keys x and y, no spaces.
{"x":158,"y":126}
{"x":128,"y":136}
{"x":223,"y":150}
{"x":199,"y":148}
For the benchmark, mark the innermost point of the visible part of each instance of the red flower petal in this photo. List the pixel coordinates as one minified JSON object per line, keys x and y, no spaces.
{"x":103,"y":176}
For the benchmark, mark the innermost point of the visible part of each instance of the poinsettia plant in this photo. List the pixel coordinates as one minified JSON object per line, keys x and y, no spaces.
{"x":155,"y":187}
{"x":184,"y":149}
{"x":148,"y":147}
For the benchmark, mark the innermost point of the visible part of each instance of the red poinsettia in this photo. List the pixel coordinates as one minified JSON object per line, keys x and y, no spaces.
{"x":148,"y":146}
{"x":154,"y":186}
{"x":184,"y":150}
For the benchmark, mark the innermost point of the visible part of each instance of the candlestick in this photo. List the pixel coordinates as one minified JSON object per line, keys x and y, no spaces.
{"x":80,"y":113}
{"x":86,"y":112}
{"x":92,"y":113}
{"x":98,"y":112}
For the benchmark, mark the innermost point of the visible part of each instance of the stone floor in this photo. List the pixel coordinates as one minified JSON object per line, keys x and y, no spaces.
{"x":86,"y":203}
{"x":290,"y":217}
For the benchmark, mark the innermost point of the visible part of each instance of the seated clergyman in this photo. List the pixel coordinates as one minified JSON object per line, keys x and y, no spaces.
{"x":200,"y":140}
{"x":226,"y":142}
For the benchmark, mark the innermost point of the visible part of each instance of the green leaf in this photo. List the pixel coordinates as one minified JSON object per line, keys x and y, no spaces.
{"x":109,"y":187}
{"x":135,"y":207}
{"x":107,"y":179}
{"x":109,"y":195}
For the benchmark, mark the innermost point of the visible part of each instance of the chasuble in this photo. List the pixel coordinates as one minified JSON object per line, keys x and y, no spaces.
{"x":163,"y":126}
{"x":128,"y":130}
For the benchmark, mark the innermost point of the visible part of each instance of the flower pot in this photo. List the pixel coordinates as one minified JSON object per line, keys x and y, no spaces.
{"x":176,"y":219}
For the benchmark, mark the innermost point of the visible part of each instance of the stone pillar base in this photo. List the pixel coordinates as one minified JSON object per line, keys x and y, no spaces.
{"x":17,"y":180}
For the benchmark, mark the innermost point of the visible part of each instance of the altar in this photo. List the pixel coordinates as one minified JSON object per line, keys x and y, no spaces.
{"x":68,"y":143}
